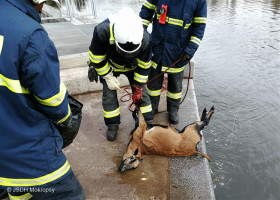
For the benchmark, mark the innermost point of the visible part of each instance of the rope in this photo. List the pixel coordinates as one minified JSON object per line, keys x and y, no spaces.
{"x":163,"y":88}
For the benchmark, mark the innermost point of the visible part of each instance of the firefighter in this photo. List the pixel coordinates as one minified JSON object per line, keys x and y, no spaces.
{"x":121,"y":46}
{"x":178,"y":28}
{"x":33,"y":98}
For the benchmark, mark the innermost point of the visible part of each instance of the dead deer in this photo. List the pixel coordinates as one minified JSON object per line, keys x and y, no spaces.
{"x":163,"y":140}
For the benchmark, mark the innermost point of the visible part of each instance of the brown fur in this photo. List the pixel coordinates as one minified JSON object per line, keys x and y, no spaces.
{"x":166,"y":141}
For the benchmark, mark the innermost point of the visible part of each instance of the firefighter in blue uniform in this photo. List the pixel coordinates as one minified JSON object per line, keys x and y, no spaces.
{"x":32,"y":98}
{"x":121,"y":46}
{"x":178,"y":28}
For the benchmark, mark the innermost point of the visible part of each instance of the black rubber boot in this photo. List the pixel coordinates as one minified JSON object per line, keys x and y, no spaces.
{"x":173,"y":117}
{"x":112,"y":132}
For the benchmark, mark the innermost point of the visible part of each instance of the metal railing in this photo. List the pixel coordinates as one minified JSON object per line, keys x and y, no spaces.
{"x":70,"y":9}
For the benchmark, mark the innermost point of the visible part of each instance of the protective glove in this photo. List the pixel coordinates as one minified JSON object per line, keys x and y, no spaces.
{"x":112,"y":81}
{"x":136,"y":94}
{"x":92,"y":74}
{"x":185,"y":56}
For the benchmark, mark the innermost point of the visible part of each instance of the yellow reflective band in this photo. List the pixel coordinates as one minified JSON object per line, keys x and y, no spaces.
{"x":195,"y":40}
{"x":112,"y":38}
{"x":13,"y":85}
{"x":117,"y":65}
{"x":172,"y":70}
{"x":201,"y":20}
{"x":56,"y":99}
{"x":174,"y":95}
{"x":177,"y":22}
{"x":122,"y":70}
{"x":154,"y":65}
{"x":149,"y":5}
{"x":66,"y":117}
{"x":145,"y":22}
{"x":95,"y":58}
{"x":144,"y":65}
{"x":140,"y":78}
{"x":22,"y":197}
{"x":154,"y":92}
{"x":36,"y":181}
{"x":187,"y":26}
{"x":103,"y":70}
{"x":146,"y":109}
{"x":1,"y":43}
{"x":111,"y":114}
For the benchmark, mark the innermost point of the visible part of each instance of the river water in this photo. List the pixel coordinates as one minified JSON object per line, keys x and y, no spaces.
{"x":237,"y":69}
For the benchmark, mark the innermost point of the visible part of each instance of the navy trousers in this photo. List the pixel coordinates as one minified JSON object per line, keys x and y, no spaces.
{"x":67,"y":189}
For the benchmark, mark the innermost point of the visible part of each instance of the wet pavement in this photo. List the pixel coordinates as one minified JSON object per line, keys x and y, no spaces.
{"x":95,"y":160}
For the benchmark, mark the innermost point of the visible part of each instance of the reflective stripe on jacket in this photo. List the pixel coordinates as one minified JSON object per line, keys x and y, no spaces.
{"x":183,"y":30}
{"x":32,"y":95}
{"x":104,"y":56}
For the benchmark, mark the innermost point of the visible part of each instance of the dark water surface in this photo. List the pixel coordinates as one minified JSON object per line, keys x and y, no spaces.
{"x":238,"y":70}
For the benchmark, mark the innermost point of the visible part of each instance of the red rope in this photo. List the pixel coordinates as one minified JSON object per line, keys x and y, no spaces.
{"x":164,"y":85}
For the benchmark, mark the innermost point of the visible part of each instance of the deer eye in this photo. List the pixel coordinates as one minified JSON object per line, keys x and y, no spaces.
{"x":133,"y":159}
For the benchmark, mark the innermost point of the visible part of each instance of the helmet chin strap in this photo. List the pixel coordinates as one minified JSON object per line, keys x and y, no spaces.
{"x":126,"y":53}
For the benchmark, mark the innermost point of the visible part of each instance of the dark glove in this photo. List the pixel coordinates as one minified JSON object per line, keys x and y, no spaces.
{"x":69,"y":130}
{"x":185,"y":56}
{"x":92,"y":74}
{"x":136,"y":94}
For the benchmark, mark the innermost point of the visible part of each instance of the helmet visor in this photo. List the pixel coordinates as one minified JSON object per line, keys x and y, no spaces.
{"x":128,"y":49}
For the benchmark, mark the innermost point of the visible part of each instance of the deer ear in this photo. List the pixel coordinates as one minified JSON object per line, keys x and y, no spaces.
{"x":135,"y":152}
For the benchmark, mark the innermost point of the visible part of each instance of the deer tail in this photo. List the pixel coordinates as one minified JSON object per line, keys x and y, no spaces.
{"x":204,"y":155}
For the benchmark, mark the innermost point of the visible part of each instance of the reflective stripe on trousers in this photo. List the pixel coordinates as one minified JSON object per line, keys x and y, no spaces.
{"x":174,"y":89}
{"x":111,"y":105}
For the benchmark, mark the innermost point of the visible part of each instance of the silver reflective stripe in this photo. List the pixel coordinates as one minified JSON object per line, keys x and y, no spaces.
{"x":154,"y":92}
{"x":146,"y":109}
{"x":142,"y":64}
{"x":110,"y":114}
{"x":172,"y":70}
{"x":103,"y":70}
{"x":145,"y":22}
{"x":154,"y":65}
{"x":96,"y":58}
{"x":195,"y":40}
{"x":201,"y":20}
{"x":13,"y":85}
{"x":140,"y":78}
{"x":149,"y":5}
{"x":174,"y":95}
{"x":36,"y":181}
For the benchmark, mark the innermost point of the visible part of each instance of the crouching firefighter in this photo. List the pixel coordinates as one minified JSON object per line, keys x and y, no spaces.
{"x":178,"y":28}
{"x":33,"y":99}
{"x":121,"y":46}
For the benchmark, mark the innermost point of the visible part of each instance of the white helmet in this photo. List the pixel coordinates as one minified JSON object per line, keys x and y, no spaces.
{"x":41,"y":1}
{"x":128,"y":32}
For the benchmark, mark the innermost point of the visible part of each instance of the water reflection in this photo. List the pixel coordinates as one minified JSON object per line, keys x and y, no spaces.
{"x":237,"y":68}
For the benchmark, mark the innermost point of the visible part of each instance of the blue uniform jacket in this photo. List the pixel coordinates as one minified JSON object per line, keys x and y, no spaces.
{"x":183,"y":30}
{"x":31,"y":96}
